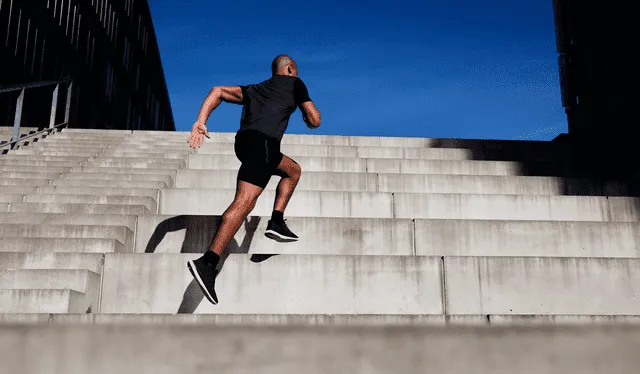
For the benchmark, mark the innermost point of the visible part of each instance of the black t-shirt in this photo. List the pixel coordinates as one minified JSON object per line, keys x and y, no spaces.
{"x":268,"y":105}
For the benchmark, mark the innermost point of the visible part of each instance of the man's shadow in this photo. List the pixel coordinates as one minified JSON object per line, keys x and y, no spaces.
{"x":198,"y":236}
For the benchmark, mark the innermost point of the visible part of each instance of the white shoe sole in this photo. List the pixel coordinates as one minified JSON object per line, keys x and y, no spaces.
{"x":277,"y":236}
{"x":194,"y":271}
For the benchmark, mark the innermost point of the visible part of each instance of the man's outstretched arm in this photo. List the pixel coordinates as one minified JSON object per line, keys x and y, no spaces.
{"x":218,"y":94}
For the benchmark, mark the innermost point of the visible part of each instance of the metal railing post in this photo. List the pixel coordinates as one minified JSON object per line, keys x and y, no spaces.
{"x":55,"y":102}
{"x":54,"y":106}
{"x":68,"y":107}
{"x":18,"y":119}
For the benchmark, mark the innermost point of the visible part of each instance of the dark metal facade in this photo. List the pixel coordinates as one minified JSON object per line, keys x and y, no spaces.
{"x":108,"y":47}
{"x":598,"y":70}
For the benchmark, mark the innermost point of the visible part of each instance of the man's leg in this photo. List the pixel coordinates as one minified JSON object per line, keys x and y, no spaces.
{"x":245,"y":200}
{"x":290,"y":172}
{"x":203,"y":269}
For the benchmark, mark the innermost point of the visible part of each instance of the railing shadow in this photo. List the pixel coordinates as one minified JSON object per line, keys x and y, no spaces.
{"x":199,"y":234}
{"x":605,"y":167}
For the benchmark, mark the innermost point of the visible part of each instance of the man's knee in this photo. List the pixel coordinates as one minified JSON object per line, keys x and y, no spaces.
{"x":296,"y":171}
{"x":241,"y":207}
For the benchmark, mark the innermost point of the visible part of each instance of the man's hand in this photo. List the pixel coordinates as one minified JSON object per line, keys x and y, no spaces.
{"x":198,"y":131}
{"x":306,"y":121}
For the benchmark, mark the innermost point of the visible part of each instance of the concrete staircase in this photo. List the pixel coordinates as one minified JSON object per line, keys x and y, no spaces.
{"x":96,"y":228}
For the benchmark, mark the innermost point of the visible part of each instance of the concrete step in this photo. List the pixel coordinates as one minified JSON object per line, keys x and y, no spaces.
{"x":87,"y":137}
{"x":43,"y":301}
{"x":17,"y":190}
{"x":360,"y":165}
{"x":558,"y":321}
{"x":61,"y":245}
{"x":52,"y":260}
{"x":75,"y":208}
{"x":150,"y":135}
{"x":56,"y":279}
{"x":374,"y":141}
{"x":525,"y":238}
{"x":402,"y":237}
{"x":134,"y":165}
{"x":75,"y":144}
{"x":101,"y":191}
{"x":533,"y":286}
{"x":108,"y":183}
{"x":104,"y":160}
{"x":31,"y":182}
{"x":143,"y":155}
{"x":8,"y":130}
{"x":52,"y":160}
{"x":137,"y":162}
{"x":183,"y":201}
{"x":6,"y":169}
{"x":124,"y":151}
{"x":108,"y":170}
{"x":156,"y":283}
{"x":97,"y":143}
{"x":307,"y":284}
{"x":102,"y":132}
{"x":83,"y":281}
{"x":27,"y":318}
{"x":25,"y":162}
{"x":561,"y":320}
{"x":149,"y":202}
{"x":31,"y":174}
{"x":94,"y":132}
{"x":321,"y":349}
{"x":516,"y":207}
{"x":327,"y":236}
{"x":128,"y":221}
{"x":250,"y":319}
{"x":11,"y":197}
{"x":231,"y":162}
{"x":131,"y":176}
{"x":397,"y":153}
{"x":119,"y":147}
{"x":119,"y":233}
{"x":36,"y":153}
{"x":417,"y":183}
{"x":71,"y":146}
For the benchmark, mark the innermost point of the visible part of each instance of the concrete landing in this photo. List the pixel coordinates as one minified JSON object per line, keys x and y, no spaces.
{"x":335,"y":349}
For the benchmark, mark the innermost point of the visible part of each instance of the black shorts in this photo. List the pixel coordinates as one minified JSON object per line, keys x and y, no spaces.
{"x":260,"y":156}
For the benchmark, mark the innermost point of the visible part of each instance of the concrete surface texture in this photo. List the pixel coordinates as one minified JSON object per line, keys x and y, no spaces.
{"x":321,"y":349}
{"x":96,"y":227}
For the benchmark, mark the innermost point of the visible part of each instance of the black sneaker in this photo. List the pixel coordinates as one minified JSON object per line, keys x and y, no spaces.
{"x":279,"y":232}
{"x":204,"y":273}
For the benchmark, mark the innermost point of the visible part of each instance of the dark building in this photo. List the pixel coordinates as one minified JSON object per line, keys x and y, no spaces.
{"x":598,"y":78}
{"x":108,"y":48}
{"x":598,"y":73}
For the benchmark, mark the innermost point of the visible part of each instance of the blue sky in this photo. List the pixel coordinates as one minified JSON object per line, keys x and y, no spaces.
{"x":455,"y":68}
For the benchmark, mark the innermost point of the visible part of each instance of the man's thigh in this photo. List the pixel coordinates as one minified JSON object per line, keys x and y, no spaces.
{"x":255,"y":172}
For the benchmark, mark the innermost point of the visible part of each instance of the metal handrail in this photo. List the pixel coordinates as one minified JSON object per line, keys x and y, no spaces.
{"x":28,"y":86}
{"x":15,"y":139}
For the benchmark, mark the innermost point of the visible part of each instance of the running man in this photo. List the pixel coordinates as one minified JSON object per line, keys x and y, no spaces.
{"x":267,"y":107}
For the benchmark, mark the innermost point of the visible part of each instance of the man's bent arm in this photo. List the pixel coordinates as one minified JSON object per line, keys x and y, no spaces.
{"x":218,"y":94}
{"x":310,"y":114}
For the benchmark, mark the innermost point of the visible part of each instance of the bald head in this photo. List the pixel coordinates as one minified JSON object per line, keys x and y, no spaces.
{"x":284,"y":65}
